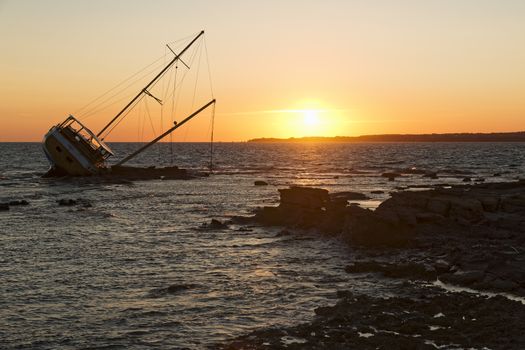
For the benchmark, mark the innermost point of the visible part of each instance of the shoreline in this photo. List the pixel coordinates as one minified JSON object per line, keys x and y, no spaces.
{"x":468,"y":238}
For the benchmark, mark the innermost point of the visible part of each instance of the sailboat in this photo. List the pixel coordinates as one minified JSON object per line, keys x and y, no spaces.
{"x":73,"y":149}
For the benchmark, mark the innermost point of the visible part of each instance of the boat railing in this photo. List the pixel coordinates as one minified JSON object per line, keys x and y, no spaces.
{"x":83,"y":134}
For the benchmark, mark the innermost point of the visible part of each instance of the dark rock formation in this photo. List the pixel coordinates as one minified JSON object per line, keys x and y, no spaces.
{"x":349,"y":196}
{"x":391,"y":176}
{"x":213,"y":225}
{"x":306,"y":208}
{"x":69,"y":202}
{"x":471,"y":236}
{"x":18,"y":202}
{"x":432,"y":225}
{"x":425,"y":321}
{"x":260,"y":183}
{"x":172,"y":289}
{"x":4,"y":206}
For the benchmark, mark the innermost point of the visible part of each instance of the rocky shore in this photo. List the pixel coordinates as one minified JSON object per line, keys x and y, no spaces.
{"x":470,"y":236}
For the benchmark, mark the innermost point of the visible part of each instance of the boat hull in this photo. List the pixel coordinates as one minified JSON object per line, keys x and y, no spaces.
{"x":65,"y":156}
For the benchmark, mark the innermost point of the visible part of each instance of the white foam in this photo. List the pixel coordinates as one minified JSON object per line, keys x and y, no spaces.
{"x":457,"y":289}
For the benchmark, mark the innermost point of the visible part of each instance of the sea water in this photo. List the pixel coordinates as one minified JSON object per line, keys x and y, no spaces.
{"x":99,"y":276}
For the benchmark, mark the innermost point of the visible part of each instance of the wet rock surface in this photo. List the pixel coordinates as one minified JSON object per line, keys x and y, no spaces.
{"x":171,"y":290}
{"x":477,"y":231}
{"x":472,"y":236}
{"x":70,"y":202}
{"x":213,"y":225}
{"x":424,"y":321}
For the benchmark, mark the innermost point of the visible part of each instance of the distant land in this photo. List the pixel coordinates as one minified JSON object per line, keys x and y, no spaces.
{"x":454,"y":137}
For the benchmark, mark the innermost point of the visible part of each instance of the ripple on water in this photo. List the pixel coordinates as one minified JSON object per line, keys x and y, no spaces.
{"x":133,"y":272}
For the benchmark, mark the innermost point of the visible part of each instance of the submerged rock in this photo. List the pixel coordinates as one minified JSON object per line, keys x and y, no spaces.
{"x":349,"y":196}
{"x":4,"y":206}
{"x":19,"y":202}
{"x":260,"y":183}
{"x":431,"y":175}
{"x":69,"y":202}
{"x":172,"y":289}
{"x":391,"y":176}
{"x":426,"y":320}
{"x":214,"y":224}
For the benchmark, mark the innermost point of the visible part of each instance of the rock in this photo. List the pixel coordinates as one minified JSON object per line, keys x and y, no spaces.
{"x":467,"y":179}
{"x":363,"y":267}
{"x":463,"y":277}
{"x":490,"y":204}
{"x":270,"y":216}
{"x":216,"y":225}
{"x":367,"y":228}
{"x":71,"y":202}
{"x":172,"y":289}
{"x":283,"y":233}
{"x":479,"y":179}
{"x":441,"y":266}
{"x":260,"y":183}
{"x":438,"y":206}
{"x":67,"y":202}
{"x":513,"y":204}
{"x":431,"y":175}
{"x":4,"y":206}
{"x":377,"y":192}
{"x":19,"y":202}
{"x":497,"y":175}
{"x":394,"y":270}
{"x":391,"y":176}
{"x":349,"y":196}
{"x":306,"y":197}
{"x":429,"y":217}
{"x":465,"y":209}
{"x":336,"y":204}
{"x":503,"y":285}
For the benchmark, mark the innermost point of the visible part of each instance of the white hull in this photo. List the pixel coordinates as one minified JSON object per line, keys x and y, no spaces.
{"x":75,"y":152}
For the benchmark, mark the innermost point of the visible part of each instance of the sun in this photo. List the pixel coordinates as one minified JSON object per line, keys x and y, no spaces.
{"x":310,"y":117}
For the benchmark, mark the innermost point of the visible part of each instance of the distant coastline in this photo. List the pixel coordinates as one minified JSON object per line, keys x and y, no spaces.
{"x":452,"y":137}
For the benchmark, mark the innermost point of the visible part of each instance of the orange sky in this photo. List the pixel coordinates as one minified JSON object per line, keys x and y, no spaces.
{"x":279,"y":68}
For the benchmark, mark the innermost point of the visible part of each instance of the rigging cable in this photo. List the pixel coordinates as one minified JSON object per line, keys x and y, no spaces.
{"x":199,"y":50}
{"x":172,"y":111}
{"x":209,"y":69}
{"x":213,"y":110}
{"x":95,"y":108}
{"x":211,"y":138}
{"x":133,"y":106}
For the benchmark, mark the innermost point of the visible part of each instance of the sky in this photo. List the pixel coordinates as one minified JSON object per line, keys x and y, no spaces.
{"x":287,"y":68}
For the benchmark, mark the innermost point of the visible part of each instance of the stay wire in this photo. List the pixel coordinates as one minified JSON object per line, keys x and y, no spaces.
{"x":211,"y":138}
{"x":199,"y":50}
{"x":209,"y":69}
{"x":118,"y":85}
{"x":133,"y":106}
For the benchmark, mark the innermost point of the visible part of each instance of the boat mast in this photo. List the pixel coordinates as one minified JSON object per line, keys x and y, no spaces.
{"x":150,"y":83}
{"x":169,"y":131}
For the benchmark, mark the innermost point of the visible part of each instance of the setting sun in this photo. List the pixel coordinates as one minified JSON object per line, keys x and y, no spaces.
{"x":311,"y":117}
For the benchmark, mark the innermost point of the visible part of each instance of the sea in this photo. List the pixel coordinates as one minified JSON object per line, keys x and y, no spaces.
{"x":139,"y":268}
